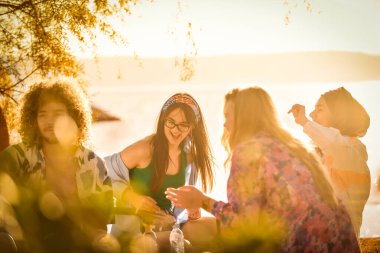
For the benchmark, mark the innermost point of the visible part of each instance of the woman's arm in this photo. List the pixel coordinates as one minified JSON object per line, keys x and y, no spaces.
{"x":139,"y":154}
{"x":119,"y":164}
{"x":243,"y":182}
{"x":135,"y":155}
{"x":324,"y":137}
{"x":244,"y":188}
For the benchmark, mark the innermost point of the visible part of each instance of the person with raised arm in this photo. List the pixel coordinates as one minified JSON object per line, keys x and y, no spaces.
{"x":279,"y":199}
{"x":337,"y":122}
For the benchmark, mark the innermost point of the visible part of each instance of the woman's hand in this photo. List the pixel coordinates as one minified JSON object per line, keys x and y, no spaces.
{"x":141,"y":202}
{"x":299,"y":115}
{"x":147,"y":204}
{"x":185,"y":197}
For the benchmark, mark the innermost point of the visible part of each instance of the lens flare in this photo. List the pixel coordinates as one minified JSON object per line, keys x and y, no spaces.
{"x":51,"y":206}
{"x":143,"y":243}
{"x":66,"y":130}
{"x":8,"y":189}
{"x":106,"y":243}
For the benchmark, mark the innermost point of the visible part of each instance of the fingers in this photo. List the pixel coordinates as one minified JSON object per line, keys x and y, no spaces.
{"x":149,"y":207}
{"x":291,"y":109}
{"x":149,"y":200}
{"x":171,"y":190}
{"x":296,"y":108}
{"x":186,"y":187}
{"x":148,"y":204}
{"x":174,"y":196}
{"x":170,"y":194}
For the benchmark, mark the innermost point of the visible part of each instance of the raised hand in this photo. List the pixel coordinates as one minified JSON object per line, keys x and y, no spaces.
{"x":299,"y":115}
{"x":185,"y":197}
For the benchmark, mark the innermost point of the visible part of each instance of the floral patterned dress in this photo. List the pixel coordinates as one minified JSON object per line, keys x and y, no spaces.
{"x":265,"y":177}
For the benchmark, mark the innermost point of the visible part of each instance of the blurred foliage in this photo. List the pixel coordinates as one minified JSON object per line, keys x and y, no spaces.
{"x":34,"y":36}
{"x":186,"y":62}
{"x":260,"y":233}
{"x":292,"y":6}
{"x":370,"y":244}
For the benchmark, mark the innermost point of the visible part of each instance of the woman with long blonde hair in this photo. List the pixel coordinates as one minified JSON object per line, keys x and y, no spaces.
{"x":273,"y":178}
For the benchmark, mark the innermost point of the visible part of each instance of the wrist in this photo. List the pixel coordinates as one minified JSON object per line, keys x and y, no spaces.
{"x":207,"y":203}
{"x":194,"y":214}
{"x":304,"y":121}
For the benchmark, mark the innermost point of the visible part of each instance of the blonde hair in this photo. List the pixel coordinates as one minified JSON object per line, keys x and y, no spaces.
{"x":66,"y":91}
{"x":254,"y":112}
{"x":349,"y":116}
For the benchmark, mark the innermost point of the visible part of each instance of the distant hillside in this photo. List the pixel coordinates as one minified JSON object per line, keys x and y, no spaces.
{"x":279,"y":68}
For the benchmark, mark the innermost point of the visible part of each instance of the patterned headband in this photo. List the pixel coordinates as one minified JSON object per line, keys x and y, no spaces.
{"x":184,"y":99}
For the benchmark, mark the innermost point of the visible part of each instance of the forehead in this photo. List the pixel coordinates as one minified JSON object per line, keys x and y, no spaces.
{"x":177,"y":115}
{"x":321,"y":103}
{"x":52,"y":105}
{"x":229,"y":107}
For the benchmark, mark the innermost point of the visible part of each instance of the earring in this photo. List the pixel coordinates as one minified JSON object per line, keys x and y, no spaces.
{"x":187,"y":144}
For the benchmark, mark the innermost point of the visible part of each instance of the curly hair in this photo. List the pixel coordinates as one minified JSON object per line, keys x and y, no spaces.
{"x":66,"y":91}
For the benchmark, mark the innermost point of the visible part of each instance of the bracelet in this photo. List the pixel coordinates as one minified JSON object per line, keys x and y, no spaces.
{"x":194,"y":215}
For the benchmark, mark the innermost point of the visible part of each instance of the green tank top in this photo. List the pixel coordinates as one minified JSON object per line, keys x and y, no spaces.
{"x":141,"y":182}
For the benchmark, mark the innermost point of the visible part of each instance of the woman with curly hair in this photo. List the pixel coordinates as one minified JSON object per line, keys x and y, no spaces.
{"x":65,"y":196}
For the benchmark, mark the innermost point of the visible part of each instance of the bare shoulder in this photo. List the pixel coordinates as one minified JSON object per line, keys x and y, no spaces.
{"x":137,"y":154}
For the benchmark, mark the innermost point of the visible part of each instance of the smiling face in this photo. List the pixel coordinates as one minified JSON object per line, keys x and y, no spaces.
{"x":322,"y":114}
{"x":176,"y":127}
{"x":47,"y":115}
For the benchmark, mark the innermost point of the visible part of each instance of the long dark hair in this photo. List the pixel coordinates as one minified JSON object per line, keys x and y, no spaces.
{"x":199,"y":149}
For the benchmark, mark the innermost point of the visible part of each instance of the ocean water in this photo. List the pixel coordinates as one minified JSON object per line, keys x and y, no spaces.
{"x":138,"y":107}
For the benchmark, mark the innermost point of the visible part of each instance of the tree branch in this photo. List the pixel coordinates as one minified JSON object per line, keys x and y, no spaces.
{"x":13,"y":7}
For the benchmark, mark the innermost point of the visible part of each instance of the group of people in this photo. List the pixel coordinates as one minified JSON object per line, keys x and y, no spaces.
{"x":281,"y":197}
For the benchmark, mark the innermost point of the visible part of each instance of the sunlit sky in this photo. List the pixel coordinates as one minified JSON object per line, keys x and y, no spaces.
{"x":159,"y":28}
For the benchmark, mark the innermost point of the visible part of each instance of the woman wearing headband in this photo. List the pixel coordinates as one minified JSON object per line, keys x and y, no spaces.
{"x":175,"y":155}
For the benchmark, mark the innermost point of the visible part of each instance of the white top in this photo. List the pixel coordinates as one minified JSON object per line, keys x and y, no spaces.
{"x":345,"y":160}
